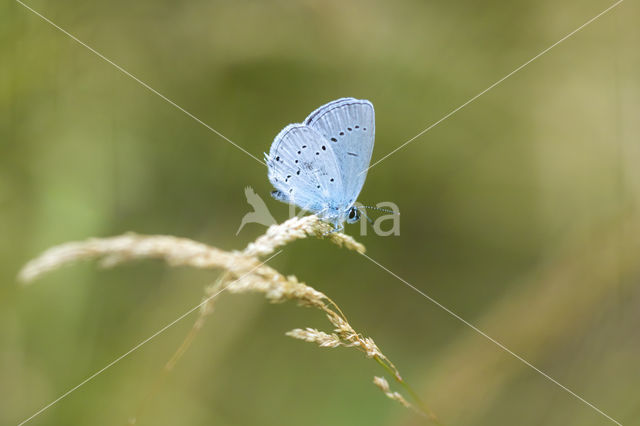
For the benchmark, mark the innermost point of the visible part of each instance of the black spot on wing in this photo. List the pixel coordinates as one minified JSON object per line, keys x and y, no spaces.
{"x":279,"y":195}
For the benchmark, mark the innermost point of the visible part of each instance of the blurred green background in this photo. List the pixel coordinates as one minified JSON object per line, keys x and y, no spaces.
{"x":519,"y":213}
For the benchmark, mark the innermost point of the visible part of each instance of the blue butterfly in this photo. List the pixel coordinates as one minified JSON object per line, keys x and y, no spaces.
{"x":320,"y":165}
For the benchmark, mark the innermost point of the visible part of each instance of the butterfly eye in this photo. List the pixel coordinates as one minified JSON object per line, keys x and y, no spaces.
{"x":353,"y":215}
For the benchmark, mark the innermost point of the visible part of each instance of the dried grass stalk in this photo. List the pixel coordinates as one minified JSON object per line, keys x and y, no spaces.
{"x":382,"y":383}
{"x":298,"y":228}
{"x":112,"y":251}
{"x":243,"y":272}
{"x":312,"y":335}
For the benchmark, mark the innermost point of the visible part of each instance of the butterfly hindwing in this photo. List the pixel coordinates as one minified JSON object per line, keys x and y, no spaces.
{"x":303,"y":168}
{"x":349,"y":126}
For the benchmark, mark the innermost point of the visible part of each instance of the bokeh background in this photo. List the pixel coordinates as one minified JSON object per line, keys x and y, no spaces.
{"x":519,"y":212}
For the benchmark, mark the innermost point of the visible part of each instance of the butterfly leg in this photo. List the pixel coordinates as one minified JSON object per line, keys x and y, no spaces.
{"x":336,"y":228}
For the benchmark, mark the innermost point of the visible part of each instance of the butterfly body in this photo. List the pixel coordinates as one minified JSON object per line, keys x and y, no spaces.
{"x":320,"y":165}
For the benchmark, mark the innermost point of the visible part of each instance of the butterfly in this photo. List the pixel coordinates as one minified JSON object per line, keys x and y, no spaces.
{"x":320,"y":165}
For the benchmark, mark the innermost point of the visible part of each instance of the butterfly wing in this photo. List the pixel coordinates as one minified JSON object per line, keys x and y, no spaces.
{"x":303,"y":169}
{"x":349,"y":126}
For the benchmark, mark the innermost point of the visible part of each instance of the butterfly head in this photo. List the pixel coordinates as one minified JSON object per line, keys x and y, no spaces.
{"x":353,"y":215}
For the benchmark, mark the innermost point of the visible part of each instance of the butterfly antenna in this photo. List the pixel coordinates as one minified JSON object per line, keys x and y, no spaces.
{"x":378,"y":208}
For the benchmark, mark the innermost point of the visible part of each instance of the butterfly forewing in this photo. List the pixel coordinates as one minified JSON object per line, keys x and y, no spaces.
{"x":349,"y":126}
{"x":303,"y":167}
